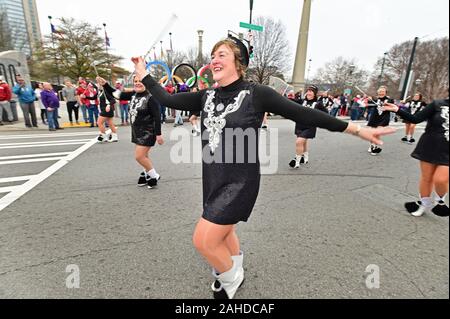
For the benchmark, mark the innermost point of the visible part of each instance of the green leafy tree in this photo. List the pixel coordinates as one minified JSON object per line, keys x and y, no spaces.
{"x":72,"y":52}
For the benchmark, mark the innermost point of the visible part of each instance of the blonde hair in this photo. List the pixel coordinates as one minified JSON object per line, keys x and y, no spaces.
{"x":383,"y":88}
{"x":241,"y":68}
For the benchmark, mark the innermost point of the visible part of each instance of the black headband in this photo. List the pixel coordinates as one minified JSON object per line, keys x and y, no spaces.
{"x":245,"y":57}
{"x":313,"y":88}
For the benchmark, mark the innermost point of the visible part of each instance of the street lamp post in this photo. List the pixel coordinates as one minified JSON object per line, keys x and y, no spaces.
{"x":380,"y":78}
{"x":309,"y":70}
{"x":170,"y":55}
{"x":200,"y":47}
{"x":416,"y":85}
{"x":53,"y":43}
{"x":349,"y":81}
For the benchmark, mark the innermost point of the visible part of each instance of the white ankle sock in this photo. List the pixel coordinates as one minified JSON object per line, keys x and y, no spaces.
{"x":408,"y":137}
{"x":426,"y":202}
{"x":153,"y":174}
{"x":298,"y":158}
{"x":306,"y":156}
{"x":438,"y":198}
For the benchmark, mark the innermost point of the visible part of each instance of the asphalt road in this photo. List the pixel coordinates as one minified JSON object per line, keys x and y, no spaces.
{"x":312,"y":234}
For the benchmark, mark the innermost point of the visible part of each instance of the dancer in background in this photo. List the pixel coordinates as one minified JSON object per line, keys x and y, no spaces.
{"x":305,"y":133}
{"x":432,"y":152}
{"x":107,"y":107}
{"x":379,"y":117}
{"x":413,"y":107}
{"x":145,"y":119}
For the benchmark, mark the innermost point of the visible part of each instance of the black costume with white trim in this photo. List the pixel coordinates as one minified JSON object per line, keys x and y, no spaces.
{"x":414,"y":107}
{"x":145,"y":116}
{"x":305,"y":131}
{"x":106,"y":99}
{"x":230,"y":189}
{"x":380,"y":117}
{"x":327,"y":102}
{"x":433,"y":144}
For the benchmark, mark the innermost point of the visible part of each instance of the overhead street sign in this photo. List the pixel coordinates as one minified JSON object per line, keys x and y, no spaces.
{"x":251,"y":26}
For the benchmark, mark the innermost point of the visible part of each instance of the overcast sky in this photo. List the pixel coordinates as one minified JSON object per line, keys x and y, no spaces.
{"x":361,"y":29}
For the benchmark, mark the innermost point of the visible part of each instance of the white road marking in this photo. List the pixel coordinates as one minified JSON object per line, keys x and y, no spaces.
{"x":18,"y":191}
{"x":15,"y":179}
{"x":8,"y":189}
{"x":40,"y":145}
{"x":44,"y":142}
{"x":4,"y":158}
{"x":31,"y":160}
{"x":33,"y":136}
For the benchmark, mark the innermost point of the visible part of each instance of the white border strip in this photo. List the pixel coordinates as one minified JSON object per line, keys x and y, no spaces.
{"x":21,"y":190}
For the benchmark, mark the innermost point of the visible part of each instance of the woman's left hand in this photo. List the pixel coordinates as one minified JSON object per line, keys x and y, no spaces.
{"x":160,"y":140}
{"x":373,"y":135}
{"x":108,"y":108}
{"x":390,"y":107}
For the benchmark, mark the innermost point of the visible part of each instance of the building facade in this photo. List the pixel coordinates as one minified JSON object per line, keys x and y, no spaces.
{"x":20,"y":18}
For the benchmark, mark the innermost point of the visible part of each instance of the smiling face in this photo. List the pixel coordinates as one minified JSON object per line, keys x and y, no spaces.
{"x":310,"y":95}
{"x":417,"y":97}
{"x":138,"y":86}
{"x":382,"y":92}
{"x":223,"y":64}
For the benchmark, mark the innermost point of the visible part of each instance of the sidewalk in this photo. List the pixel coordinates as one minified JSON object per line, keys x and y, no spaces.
{"x":65,"y":123}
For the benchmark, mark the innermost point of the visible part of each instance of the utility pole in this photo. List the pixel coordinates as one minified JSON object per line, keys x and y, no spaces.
{"x":53,"y":43}
{"x":251,"y":12}
{"x":298,"y":76}
{"x":408,"y":71}
{"x":380,"y":78}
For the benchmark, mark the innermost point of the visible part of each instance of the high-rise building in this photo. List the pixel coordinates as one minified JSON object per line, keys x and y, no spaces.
{"x":20,"y":19}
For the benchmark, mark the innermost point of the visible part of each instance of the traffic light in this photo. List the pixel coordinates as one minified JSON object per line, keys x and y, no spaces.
{"x":250,"y":51}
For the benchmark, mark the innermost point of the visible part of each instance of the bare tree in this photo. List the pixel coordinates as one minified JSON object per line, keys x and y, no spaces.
{"x":340,"y":74}
{"x":430,"y":68}
{"x":271,"y":51}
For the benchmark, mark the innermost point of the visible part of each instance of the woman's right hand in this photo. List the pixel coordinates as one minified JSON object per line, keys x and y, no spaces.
{"x":139,"y":67}
{"x":101,"y":81}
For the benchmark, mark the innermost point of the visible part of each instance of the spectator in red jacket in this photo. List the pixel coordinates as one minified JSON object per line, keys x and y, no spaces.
{"x":81,"y":101}
{"x":5,"y":98}
{"x":91,"y":95}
